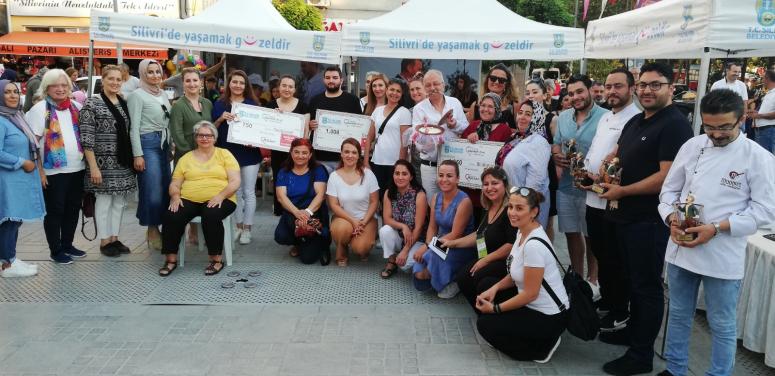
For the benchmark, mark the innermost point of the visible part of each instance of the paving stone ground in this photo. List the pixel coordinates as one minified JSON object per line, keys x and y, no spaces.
{"x":104,"y":316}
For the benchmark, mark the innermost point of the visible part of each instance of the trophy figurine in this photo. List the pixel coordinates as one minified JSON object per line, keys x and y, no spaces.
{"x":610,"y":173}
{"x":578,"y":171}
{"x":688,"y":214}
{"x":570,"y":149}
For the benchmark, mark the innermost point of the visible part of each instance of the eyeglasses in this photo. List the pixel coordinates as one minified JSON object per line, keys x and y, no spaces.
{"x":500,"y":80}
{"x":723,"y":128}
{"x":522,"y":191}
{"x":203,"y":135}
{"x":654,"y":86}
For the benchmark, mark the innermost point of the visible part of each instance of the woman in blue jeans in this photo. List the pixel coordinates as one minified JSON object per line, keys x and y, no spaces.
{"x":301,"y":190}
{"x":149,"y":111}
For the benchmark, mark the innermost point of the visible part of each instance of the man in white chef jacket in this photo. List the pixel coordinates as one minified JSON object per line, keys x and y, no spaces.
{"x":734,"y":179}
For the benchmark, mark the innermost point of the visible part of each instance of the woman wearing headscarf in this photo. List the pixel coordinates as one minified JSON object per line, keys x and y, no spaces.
{"x":21,"y":197}
{"x":149,"y":108}
{"x":55,"y":119}
{"x":526,"y":155}
{"x":490,"y":127}
{"x":105,"y":139}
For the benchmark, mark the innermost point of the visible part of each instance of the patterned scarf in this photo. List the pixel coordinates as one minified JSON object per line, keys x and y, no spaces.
{"x":538,"y":122}
{"x":54,"y":144}
{"x":485,"y":127}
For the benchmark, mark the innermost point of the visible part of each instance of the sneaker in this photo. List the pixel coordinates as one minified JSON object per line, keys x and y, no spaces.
{"x":25,"y":264}
{"x":619,"y":337}
{"x":121,"y":247}
{"x":449,"y":291}
{"x":626,"y":366}
{"x":74,"y":252}
{"x":244,"y":237}
{"x":237,"y":233}
{"x":61,"y":258}
{"x":551,"y":352}
{"x":17,"y":270}
{"x":612,"y":323}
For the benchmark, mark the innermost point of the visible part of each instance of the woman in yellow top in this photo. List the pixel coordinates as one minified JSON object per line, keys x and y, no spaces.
{"x":203,"y":185}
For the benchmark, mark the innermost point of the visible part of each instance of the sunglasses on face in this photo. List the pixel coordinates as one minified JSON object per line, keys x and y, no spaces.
{"x":500,"y":80}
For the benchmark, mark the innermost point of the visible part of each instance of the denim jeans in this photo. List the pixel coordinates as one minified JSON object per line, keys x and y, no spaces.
{"x":766,"y":138}
{"x":721,"y":297}
{"x":154,"y":182}
{"x":9,"y":234}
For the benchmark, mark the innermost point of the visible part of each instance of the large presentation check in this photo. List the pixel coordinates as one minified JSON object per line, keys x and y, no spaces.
{"x":335,"y":127}
{"x":471,"y":158}
{"x":265,"y":127}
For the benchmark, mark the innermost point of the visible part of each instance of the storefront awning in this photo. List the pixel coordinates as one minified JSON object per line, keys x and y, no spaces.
{"x":71,"y":45}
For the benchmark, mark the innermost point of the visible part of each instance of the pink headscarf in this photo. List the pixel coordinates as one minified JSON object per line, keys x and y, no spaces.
{"x":154,"y":90}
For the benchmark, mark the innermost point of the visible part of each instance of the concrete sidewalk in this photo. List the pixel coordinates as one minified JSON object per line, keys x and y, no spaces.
{"x":102,"y":316}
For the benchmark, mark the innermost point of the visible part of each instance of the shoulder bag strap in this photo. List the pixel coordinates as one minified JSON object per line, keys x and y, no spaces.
{"x":545,"y":284}
{"x":384,"y":122}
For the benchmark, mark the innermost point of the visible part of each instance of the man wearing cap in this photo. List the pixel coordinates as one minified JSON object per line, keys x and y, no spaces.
{"x":259,"y":88}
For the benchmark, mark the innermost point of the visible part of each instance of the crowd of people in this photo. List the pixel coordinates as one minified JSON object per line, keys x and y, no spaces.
{"x":392,"y":191}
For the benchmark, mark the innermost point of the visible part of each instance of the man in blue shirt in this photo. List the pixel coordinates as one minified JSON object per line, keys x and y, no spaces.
{"x":578,"y":124}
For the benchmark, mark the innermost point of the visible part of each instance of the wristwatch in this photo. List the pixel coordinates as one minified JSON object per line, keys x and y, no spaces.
{"x":717,"y":226}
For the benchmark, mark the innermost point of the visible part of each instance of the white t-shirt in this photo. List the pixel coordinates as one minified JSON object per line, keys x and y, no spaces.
{"x":36,"y":118}
{"x":535,"y":254}
{"x":389,"y":143}
{"x":768,"y":105}
{"x":737,"y":86}
{"x":353,"y":198}
{"x":609,"y":128}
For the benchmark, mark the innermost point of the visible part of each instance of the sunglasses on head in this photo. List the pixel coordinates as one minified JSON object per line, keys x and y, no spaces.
{"x":522,"y":191}
{"x":500,"y":80}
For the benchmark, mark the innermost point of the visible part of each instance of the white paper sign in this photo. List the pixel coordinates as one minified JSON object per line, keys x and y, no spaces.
{"x":335,"y":127}
{"x":265,"y":127}
{"x":471,"y":158}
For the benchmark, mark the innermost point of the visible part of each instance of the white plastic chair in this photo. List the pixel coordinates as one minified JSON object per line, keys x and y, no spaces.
{"x":228,"y":241}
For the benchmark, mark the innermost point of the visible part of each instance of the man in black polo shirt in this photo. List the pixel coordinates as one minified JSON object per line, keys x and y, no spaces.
{"x":646,"y":149}
{"x":333,"y":99}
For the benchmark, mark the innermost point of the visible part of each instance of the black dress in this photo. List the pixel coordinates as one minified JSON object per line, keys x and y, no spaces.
{"x":278,"y":157}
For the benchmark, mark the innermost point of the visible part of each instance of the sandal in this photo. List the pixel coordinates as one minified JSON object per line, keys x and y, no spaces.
{"x":388,"y":272}
{"x":294,"y":252}
{"x":212,"y":270}
{"x":341,"y":263}
{"x":166,"y":269}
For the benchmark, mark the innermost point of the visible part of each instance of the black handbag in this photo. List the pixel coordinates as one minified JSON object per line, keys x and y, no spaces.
{"x":88,"y":200}
{"x":583,"y":321}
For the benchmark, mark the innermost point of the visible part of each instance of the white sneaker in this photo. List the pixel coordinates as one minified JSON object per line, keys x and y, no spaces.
{"x":244,"y":237}
{"x":26,"y":264}
{"x":17,"y":270}
{"x":551,"y":352}
{"x":449,"y":291}
{"x":237,"y":233}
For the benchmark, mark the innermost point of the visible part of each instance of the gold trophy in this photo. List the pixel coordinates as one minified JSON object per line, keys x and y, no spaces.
{"x":610,"y":173}
{"x":579,"y":172}
{"x":688,"y":214}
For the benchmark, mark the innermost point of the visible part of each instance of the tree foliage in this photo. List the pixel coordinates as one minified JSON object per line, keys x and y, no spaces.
{"x":555,"y":12}
{"x":299,"y":14}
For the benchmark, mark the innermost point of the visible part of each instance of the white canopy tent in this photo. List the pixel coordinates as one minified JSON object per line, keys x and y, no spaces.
{"x":252,"y":28}
{"x":680,"y":29}
{"x":460,"y":29}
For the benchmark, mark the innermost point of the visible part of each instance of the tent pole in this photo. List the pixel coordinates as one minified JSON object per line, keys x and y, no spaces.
{"x":225,"y":70}
{"x":702,"y":83}
{"x":528,"y":75}
{"x":119,"y":52}
{"x":583,"y":66}
{"x":91,"y":67}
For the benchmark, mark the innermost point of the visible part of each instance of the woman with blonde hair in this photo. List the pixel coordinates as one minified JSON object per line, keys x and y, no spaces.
{"x":376,"y":95}
{"x":499,"y":80}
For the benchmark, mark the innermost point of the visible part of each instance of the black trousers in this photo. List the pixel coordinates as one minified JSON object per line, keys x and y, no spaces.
{"x":642,"y":249}
{"x":63,"y":203}
{"x":384,"y":175}
{"x":278,"y":157}
{"x":468,"y":283}
{"x":310,"y":249}
{"x":523,"y":334}
{"x":611,"y":276}
{"x":174,"y":225}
